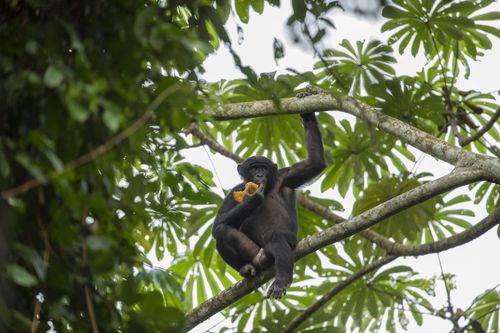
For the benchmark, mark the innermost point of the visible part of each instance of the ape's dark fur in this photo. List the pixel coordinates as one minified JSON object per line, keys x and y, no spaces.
{"x":267,"y":219}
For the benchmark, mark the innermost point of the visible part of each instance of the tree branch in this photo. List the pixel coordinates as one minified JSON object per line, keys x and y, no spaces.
{"x":306,"y":313}
{"x":95,"y":153}
{"x":387,"y":209}
{"x":212,"y":144}
{"x":396,"y":251}
{"x":407,"y":133}
{"x":484,"y":129}
{"x":412,"y":250}
{"x":46,"y":256}
{"x":453,"y":241}
{"x":334,"y":234}
{"x":459,"y":177}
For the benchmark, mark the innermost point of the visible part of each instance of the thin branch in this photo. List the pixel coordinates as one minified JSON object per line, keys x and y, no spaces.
{"x":459,"y":177}
{"x":435,"y":247}
{"x":306,"y":313}
{"x":90,"y":309}
{"x":483,"y":130}
{"x":332,"y":235}
{"x":461,"y":238}
{"x":449,"y":307}
{"x":86,"y":287}
{"x":454,"y":127}
{"x":95,"y":153}
{"x":46,"y":256}
{"x":194,"y":129}
{"x":88,"y":296}
{"x":412,"y":250}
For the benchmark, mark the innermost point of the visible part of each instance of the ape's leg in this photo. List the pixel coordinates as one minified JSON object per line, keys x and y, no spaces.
{"x":236,"y":249}
{"x":281,"y":250}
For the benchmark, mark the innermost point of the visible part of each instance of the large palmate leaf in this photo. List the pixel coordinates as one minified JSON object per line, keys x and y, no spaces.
{"x":472,"y":111}
{"x":448,"y":219}
{"x":265,"y":86}
{"x":359,"y":153}
{"x":406,"y":225}
{"x":355,"y":68}
{"x":391,"y":294}
{"x":414,"y":103}
{"x":268,"y":315}
{"x":485,"y":312}
{"x":204,"y":277}
{"x":488,"y":192}
{"x":432,"y":24}
{"x":278,"y":137}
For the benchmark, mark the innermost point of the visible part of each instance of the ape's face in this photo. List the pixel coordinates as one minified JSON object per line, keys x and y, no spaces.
{"x":259,"y":174}
{"x":260,"y":170}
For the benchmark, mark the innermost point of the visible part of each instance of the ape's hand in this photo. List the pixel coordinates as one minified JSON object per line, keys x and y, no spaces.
{"x":255,"y":198}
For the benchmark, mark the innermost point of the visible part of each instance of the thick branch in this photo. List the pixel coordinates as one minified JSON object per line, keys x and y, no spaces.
{"x":397,"y":250}
{"x":327,"y":214}
{"x":453,"y":241}
{"x":336,"y":233}
{"x":409,"y":250}
{"x":302,"y":200}
{"x":459,"y":177}
{"x":306,"y":313}
{"x":386,"y":209}
{"x":227,"y":297}
{"x":407,"y":133}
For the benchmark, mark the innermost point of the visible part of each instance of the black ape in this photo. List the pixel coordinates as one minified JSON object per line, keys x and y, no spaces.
{"x":263,"y":227}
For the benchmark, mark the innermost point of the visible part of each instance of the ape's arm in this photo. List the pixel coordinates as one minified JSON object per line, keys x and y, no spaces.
{"x":305,"y":171}
{"x":233,"y":213}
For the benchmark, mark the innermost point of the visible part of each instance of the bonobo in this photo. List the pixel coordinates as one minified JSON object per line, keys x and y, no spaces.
{"x":262,"y":229}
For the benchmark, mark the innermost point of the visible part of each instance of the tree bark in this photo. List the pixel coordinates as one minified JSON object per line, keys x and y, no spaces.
{"x":470,"y":167}
{"x":405,"y":132}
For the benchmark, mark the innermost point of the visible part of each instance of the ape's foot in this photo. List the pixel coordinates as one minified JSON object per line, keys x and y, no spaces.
{"x":278,"y":289}
{"x":260,"y":260}
{"x":248,"y":270}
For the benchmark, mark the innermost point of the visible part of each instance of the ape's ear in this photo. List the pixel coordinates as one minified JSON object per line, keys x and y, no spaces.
{"x":240,"y":169}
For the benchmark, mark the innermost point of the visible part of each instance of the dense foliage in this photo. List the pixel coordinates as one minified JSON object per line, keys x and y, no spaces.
{"x":94,"y":99}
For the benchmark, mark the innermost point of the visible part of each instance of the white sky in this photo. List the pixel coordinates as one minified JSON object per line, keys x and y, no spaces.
{"x":473,"y":262}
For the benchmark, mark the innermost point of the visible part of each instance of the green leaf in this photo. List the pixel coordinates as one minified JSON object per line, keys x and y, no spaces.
{"x":98,"y":243}
{"x":393,"y":270}
{"x":21,"y":276}
{"x":258,"y":5}
{"x":76,"y":111}
{"x":299,"y":9}
{"x":393,"y":12}
{"x":113,"y":119}
{"x":278,"y":49}
{"x":487,"y":17}
{"x":53,"y":77}
{"x":242,"y":8}
{"x":28,"y":163}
